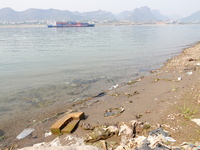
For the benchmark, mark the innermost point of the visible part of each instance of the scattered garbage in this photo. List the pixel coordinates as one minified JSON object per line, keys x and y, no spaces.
{"x":125,"y":129}
{"x":156,"y":80}
{"x":113,"y":112}
{"x":191,"y":59}
{"x":87,"y":126}
{"x":155,"y":140}
{"x":99,"y":133}
{"x":134,"y":81}
{"x":115,"y":94}
{"x":25,"y":133}
{"x":47,"y":134}
{"x":100,"y":94}
{"x":189,"y":73}
{"x":179,"y":78}
{"x":170,"y":139}
{"x":131,"y":134}
{"x":158,"y":132}
{"x":129,"y":94}
{"x":56,"y":144}
{"x":197,"y":121}
{"x":114,"y":87}
{"x":190,"y":146}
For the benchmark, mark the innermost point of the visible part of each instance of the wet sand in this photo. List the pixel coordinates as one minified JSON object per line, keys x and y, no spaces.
{"x":157,"y":98}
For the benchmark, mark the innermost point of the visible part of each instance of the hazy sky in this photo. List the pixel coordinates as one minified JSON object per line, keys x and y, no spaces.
{"x":167,"y":7}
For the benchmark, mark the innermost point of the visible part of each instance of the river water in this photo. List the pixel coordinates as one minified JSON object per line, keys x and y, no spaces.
{"x":40,"y":66}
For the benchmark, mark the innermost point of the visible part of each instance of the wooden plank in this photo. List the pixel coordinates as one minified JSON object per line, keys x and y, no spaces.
{"x":77,"y":115}
{"x":70,"y":126}
{"x":61,"y":123}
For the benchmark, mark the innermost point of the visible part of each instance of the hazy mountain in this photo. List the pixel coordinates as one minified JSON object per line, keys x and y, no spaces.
{"x":142,"y":14}
{"x":99,"y":15}
{"x":125,"y":15}
{"x":138,"y":14}
{"x":8,"y":14}
{"x":194,"y":18}
{"x":49,"y":14}
{"x":175,"y":17}
{"x":159,"y":16}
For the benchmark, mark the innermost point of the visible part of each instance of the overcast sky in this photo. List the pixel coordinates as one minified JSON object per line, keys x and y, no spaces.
{"x":167,"y":7}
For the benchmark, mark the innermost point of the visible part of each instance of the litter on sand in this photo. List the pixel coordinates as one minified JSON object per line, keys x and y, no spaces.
{"x":113,"y":112}
{"x":25,"y":133}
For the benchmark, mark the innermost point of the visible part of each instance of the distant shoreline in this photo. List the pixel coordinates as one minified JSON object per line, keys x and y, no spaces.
{"x":96,"y":24}
{"x":22,"y":25}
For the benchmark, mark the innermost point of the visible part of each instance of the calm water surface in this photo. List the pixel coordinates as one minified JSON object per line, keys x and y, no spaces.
{"x":40,"y":67}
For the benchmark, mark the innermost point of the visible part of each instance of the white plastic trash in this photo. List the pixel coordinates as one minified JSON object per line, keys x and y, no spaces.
{"x":48,"y":134}
{"x":197,"y":121}
{"x":170,"y":139}
{"x":179,"y":78}
{"x":25,"y":133}
{"x":189,"y":73}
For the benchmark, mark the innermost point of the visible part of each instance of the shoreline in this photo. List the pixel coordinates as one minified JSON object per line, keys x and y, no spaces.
{"x":156,"y":95}
{"x":97,"y":24}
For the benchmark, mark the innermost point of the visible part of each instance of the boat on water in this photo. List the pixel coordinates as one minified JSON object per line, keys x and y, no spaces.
{"x":70,"y":24}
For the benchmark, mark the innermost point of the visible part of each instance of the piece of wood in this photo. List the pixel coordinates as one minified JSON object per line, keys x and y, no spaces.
{"x":69,"y":128}
{"x":64,"y":121}
{"x":104,"y":144}
{"x":60,"y":124}
{"x":77,"y":115}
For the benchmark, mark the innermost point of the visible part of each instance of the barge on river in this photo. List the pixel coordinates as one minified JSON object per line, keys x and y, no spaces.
{"x":70,"y":24}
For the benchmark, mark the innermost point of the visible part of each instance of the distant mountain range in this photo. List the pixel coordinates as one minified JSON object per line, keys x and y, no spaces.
{"x":142,"y":14}
{"x":195,"y":18}
{"x":138,"y":14}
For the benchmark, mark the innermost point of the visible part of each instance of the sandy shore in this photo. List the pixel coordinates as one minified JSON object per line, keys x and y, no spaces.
{"x":157,"y":99}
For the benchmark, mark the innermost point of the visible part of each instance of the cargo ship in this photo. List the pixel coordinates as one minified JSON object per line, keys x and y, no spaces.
{"x":70,"y":24}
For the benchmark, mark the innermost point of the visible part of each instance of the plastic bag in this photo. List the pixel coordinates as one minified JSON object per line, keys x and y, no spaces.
{"x":25,"y":133}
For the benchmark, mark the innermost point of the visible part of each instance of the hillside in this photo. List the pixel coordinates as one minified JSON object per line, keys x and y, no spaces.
{"x":193,"y":18}
{"x":138,"y":14}
{"x":142,"y":14}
